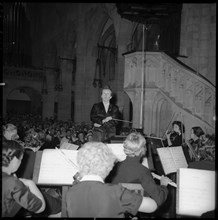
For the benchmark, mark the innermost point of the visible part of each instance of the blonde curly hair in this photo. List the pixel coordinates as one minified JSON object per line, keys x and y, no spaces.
{"x":95,"y":158}
{"x":135,"y":145}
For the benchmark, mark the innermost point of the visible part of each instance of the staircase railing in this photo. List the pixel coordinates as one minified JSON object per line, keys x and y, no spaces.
{"x":191,"y":91}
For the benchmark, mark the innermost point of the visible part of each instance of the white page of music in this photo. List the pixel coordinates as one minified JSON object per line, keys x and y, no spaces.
{"x":195,"y":192}
{"x":179,"y":157}
{"x":166,"y":160}
{"x":117,"y":150}
{"x":69,"y":146}
{"x":55,"y":169}
{"x":172,"y":158}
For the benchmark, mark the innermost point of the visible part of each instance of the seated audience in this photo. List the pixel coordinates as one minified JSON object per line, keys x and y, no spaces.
{"x":89,"y":136}
{"x":91,"y":197}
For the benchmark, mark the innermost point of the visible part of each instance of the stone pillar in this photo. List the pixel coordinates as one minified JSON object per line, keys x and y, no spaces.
{"x":64,"y":96}
{"x":123,"y":29}
{"x":48,"y":99}
{"x":135,"y":96}
{"x":86,"y":95}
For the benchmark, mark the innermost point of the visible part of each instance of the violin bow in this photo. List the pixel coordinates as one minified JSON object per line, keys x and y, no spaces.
{"x":182,"y":118}
{"x":169,"y":123}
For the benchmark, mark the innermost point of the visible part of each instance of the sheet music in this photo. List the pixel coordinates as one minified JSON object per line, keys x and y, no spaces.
{"x":117,"y":150}
{"x":195,"y":191}
{"x":54,"y":168}
{"x":172,"y":158}
{"x":69,"y":146}
{"x":178,"y":157}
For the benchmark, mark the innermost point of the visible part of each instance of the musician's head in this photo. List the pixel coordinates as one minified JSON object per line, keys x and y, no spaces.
{"x":12,"y":154}
{"x":106,"y":94}
{"x":10,"y":132}
{"x":196,"y":132}
{"x":135,"y":145}
{"x":207,"y":151}
{"x":178,"y":127}
{"x":95,"y":158}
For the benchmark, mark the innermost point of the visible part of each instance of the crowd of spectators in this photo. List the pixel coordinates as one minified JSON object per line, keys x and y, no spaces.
{"x":36,"y":133}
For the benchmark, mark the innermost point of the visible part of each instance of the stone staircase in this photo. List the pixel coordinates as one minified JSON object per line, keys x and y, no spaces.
{"x":168,"y":87}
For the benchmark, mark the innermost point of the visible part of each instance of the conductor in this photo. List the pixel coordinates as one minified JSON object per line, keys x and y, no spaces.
{"x":104,"y":115}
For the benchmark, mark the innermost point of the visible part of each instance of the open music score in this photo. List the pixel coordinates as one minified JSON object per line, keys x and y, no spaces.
{"x":117,"y":150}
{"x":69,"y":146}
{"x":57,"y":167}
{"x":61,"y":152}
{"x":172,"y":158}
{"x":196,"y":191}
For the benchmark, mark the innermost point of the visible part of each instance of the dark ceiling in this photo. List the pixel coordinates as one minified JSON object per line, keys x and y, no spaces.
{"x":148,"y":13}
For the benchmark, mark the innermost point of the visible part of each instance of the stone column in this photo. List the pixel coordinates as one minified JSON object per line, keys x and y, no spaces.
{"x":64,"y":96}
{"x":123,"y":28}
{"x":48,"y":99}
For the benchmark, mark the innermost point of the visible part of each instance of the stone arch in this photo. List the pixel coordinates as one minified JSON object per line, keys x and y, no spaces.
{"x":127,"y":110}
{"x":32,"y":104}
{"x":98,"y":22}
{"x":162,"y":113}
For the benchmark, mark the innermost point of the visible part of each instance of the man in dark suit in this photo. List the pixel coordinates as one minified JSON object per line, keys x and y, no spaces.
{"x":104,"y":115}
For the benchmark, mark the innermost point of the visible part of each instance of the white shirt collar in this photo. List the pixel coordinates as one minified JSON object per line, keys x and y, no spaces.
{"x":92,"y":178}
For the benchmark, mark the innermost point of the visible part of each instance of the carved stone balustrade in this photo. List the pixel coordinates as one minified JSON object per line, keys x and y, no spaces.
{"x":167,"y":86}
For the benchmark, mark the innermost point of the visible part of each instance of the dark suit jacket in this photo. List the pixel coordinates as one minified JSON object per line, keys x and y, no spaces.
{"x":98,"y":113}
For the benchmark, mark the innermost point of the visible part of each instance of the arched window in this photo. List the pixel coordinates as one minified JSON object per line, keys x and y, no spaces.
{"x":107,"y":52}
